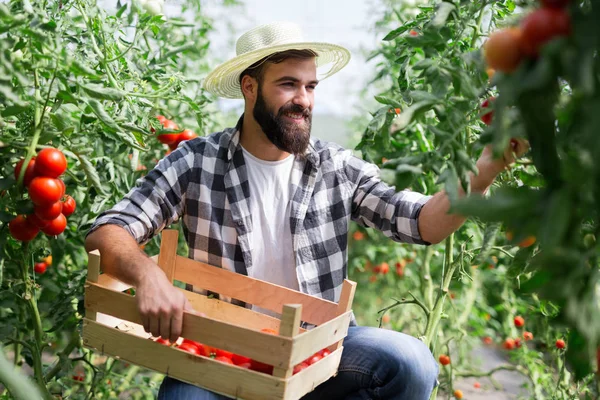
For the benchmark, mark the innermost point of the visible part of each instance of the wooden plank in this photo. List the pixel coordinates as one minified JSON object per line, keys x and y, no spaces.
{"x":322,"y":336}
{"x":168,"y":252}
{"x":270,"y":349}
{"x":345,"y":304}
{"x":253,"y":291}
{"x":93,"y":274}
{"x":213,"y":375}
{"x":306,"y":380}
{"x":290,"y":325}
{"x":227,"y":312}
{"x":112,"y":283}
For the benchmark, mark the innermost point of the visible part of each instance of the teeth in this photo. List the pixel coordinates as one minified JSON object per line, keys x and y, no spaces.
{"x":295,"y":116}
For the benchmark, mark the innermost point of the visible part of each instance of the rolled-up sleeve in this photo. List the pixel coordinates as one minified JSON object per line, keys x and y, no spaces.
{"x":377,"y":205}
{"x":156,"y":201}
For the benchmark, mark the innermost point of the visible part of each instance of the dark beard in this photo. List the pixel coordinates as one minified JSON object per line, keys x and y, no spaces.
{"x":289,"y":137}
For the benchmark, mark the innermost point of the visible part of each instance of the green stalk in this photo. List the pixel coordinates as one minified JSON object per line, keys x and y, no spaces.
{"x":427,"y":283}
{"x":436,"y":314}
{"x":63,"y":356}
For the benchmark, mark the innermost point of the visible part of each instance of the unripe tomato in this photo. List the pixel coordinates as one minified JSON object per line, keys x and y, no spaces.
{"x":29,"y":172}
{"x":48,"y":212}
{"x":503,"y":50}
{"x":50,"y":162}
{"x":541,"y":26}
{"x":22,"y":230}
{"x":56,"y":226}
{"x":44,"y":190}
{"x":68,"y":206}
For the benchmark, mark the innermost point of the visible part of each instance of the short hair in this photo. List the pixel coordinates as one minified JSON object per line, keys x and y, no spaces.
{"x":257,"y":69}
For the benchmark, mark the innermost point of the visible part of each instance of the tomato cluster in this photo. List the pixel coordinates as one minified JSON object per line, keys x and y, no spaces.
{"x":51,"y":205}
{"x":506,"y":48}
{"x":228,"y":357}
{"x":169,"y":135}
{"x":40,"y":267}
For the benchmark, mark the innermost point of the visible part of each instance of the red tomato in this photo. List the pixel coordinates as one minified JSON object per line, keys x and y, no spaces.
{"x":527,"y":335}
{"x":169,"y":138}
{"x":22,"y":230}
{"x":224,"y":359}
{"x":68,"y":206}
{"x":161,"y":118}
{"x":224,"y":353}
{"x":170,"y":125}
{"x":173,"y":146}
{"x":40,"y":267}
{"x":261,"y":367}
{"x":509,"y":344}
{"x":44,"y":190}
{"x":246,"y":365}
{"x":560,"y":344}
{"x":49,"y":212}
{"x":29,"y":172}
{"x":519,"y":321}
{"x":239,"y":360}
{"x":79,"y":377}
{"x":541,"y":26}
{"x":56,"y":226}
{"x":503,"y":50}
{"x":186,"y":135}
{"x":555,"y":3}
{"x":190,"y":348}
{"x":166,"y":342}
{"x":487,"y":117}
{"x":314,"y":359}
{"x":36,"y":221}
{"x":207,"y":351}
{"x":62,"y":185}
{"x":444,"y":359}
{"x":487,"y":340}
{"x":50,"y":162}
{"x":300,"y":367}
{"x":325,"y":352}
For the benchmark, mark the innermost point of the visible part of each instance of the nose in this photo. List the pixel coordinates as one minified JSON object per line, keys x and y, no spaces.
{"x":302,"y":98}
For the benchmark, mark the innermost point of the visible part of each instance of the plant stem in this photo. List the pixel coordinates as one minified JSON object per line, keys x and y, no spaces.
{"x":428,"y":289}
{"x":477,"y":32}
{"x":63,"y":356}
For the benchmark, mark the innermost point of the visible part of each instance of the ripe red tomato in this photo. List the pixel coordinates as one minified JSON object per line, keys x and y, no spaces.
{"x":476,"y":385}
{"x":261,"y":367}
{"x":224,"y":359}
{"x":487,"y":340}
{"x":190,"y":348}
{"x":63,"y":187}
{"x":527,"y":335}
{"x":29,"y":172}
{"x":503,"y":50}
{"x":166,"y":342}
{"x":223,"y":353}
{"x":541,"y":26}
{"x":187,"y":135}
{"x":170,"y":125}
{"x":40,"y":267}
{"x":314,"y":359}
{"x":169,"y":138}
{"x":300,"y":367}
{"x":246,"y":365}
{"x":413,"y":33}
{"x":161,"y":118}
{"x":487,"y":117}
{"x":444,"y":359}
{"x":325,"y":352}
{"x":509,"y":344}
{"x":80,"y":377}
{"x":36,"y":221}
{"x":49,"y":212}
{"x":22,"y":230}
{"x":56,"y":226}
{"x":560,"y":344}
{"x":384,"y":268}
{"x":555,"y":3}
{"x":238,"y":360}
{"x":519,"y":321}
{"x":68,"y":206}
{"x":458,"y":394}
{"x":44,"y":190}
{"x":50,"y":162}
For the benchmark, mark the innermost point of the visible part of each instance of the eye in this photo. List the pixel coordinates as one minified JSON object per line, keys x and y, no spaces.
{"x":288,"y":84}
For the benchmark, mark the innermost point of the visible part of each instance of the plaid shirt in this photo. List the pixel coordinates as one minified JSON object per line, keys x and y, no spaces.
{"x":205,"y":182}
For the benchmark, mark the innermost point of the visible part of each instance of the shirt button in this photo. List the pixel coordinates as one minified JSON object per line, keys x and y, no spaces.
{"x":239,"y":222}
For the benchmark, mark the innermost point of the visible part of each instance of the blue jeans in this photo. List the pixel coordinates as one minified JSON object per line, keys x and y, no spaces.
{"x":376,"y":364}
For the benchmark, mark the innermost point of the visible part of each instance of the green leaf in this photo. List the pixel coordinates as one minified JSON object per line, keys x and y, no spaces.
{"x":121,"y":11}
{"x":7,"y":182}
{"x":442,"y":14}
{"x":13,"y":110}
{"x":395,"y":33}
{"x":103,"y":93}
{"x":506,"y":204}
{"x":489,"y":238}
{"x":409,"y":114}
{"x":388,"y":101}
{"x":99,"y":110}
{"x":91,"y":173}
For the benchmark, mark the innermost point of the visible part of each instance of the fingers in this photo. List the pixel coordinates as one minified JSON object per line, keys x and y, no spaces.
{"x":177,"y":320}
{"x":155,"y":325}
{"x":165,"y":325}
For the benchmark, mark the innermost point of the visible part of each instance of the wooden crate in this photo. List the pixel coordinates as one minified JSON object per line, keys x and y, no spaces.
{"x":113,"y":327}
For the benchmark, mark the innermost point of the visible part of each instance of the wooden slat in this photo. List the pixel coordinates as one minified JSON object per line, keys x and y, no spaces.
{"x":290,"y":326}
{"x":112,"y":283}
{"x":168,"y":252}
{"x":320,"y":337}
{"x":231,"y":313}
{"x":269,"y":349}
{"x":253,"y":291}
{"x":93,"y":274}
{"x":308,"y":379}
{"x":213,"y":375}
{"x":345,"y":304}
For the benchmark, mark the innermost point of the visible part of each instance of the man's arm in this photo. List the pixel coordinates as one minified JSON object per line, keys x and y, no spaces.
{"x":435,"y":224}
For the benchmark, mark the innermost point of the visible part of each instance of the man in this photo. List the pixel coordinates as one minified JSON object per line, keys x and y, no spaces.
{"x":264,"y":199}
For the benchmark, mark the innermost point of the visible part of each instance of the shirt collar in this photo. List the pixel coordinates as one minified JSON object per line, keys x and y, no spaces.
{"x":311,"y":153}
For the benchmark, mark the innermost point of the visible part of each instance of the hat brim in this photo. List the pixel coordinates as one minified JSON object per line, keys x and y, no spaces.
{"x":223,"y":81}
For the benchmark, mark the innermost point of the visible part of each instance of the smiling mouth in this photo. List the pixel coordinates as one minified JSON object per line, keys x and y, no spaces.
{"x":296,"y":117}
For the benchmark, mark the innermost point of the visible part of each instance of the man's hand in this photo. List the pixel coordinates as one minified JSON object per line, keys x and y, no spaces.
{"x":490,"y":166}
{"x":161,"y":304}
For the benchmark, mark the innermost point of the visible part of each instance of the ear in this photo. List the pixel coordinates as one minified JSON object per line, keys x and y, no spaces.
{"x":249,"y":88}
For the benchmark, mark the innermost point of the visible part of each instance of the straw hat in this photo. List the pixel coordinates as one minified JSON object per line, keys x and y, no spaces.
{"x":263,"y":41}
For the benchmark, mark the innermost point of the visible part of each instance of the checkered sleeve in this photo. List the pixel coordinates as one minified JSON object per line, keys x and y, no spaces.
{"x":378,"y":205}
{"x":156,"y":201}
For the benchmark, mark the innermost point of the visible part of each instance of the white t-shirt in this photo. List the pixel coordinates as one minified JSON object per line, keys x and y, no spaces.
{"x":271,"y":237}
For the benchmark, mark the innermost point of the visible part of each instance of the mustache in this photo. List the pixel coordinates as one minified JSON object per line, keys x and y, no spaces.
{"x":295,"y":109}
